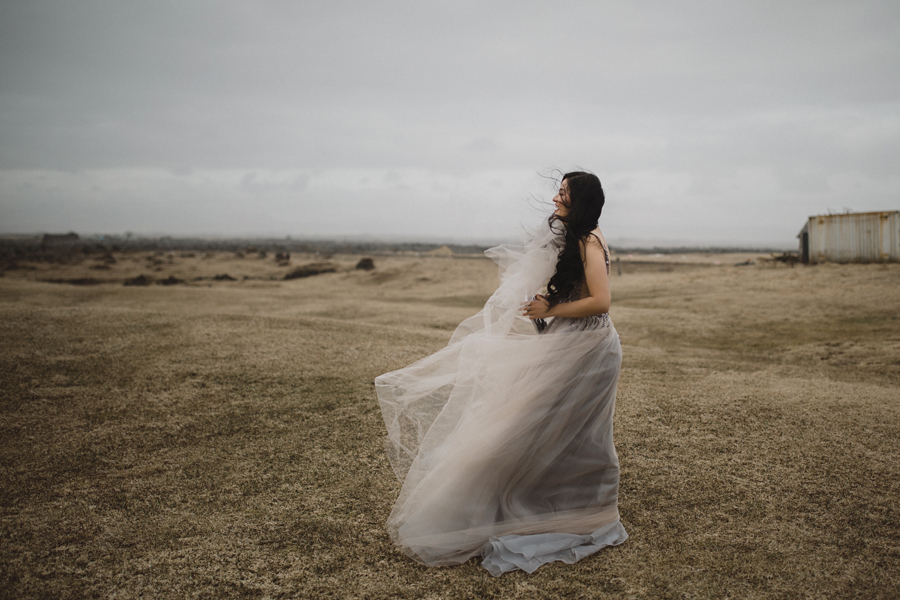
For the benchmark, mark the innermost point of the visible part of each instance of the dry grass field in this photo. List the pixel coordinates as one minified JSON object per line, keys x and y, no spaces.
{"x":221,"y":439}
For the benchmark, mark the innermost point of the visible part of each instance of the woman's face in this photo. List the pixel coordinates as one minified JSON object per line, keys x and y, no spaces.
{"x":561,"y":200}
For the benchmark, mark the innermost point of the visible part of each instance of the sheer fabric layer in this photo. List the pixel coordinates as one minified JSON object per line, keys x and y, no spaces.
{"x":503,"y":439}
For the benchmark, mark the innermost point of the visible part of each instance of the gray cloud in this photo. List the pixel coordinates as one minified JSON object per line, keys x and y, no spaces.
{"x":682,"y":107}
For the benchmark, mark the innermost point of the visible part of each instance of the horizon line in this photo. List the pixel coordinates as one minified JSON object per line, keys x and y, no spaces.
{"x":621,"y":242}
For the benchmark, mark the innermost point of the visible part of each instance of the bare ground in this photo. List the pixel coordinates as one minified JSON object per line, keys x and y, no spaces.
{"x":221,"y":439}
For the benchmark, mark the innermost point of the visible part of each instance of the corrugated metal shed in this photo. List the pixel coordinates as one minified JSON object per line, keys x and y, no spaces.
{"x":851,"y":237}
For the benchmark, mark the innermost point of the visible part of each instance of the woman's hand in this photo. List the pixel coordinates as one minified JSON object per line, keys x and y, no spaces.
{"x":539,"y":308}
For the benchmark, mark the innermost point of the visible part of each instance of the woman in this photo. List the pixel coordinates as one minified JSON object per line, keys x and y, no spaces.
{"x":503,"y":439}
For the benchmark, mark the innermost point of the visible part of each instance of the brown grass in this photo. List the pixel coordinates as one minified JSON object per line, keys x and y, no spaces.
{"x":222,"y":439}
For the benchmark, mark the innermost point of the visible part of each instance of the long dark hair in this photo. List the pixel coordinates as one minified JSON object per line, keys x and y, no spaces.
{"x":586,"y":200}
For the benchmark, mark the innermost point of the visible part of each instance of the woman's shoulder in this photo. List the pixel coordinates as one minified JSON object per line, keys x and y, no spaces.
{"x":596,"y":237}
{"x":596,"y":240}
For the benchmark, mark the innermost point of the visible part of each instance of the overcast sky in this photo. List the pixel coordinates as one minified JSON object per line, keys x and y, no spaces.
{"x":707,"y":122}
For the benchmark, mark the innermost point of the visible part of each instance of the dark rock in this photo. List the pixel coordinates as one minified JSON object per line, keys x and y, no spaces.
{"x":224,"y":277}
{"x":366,"y":264}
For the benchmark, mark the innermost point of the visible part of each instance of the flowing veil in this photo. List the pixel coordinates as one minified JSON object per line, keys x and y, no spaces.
{"x":503,"y":438}
{"x":412,"y":398}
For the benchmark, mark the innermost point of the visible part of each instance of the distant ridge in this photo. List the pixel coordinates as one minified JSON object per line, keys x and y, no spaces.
{"x":340,"y":246}
{"x":60,"y":238}
{"x":274,"y":245}
{"x":698,"y":249}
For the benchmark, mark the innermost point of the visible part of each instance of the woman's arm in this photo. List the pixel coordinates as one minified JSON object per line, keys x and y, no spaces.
{"x":598,"y":299}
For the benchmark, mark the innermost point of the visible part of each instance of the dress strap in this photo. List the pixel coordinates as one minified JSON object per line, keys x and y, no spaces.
{"x":605,"y":250}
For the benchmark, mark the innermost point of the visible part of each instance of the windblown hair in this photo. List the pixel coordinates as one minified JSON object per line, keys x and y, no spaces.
{"x":586,"y":200}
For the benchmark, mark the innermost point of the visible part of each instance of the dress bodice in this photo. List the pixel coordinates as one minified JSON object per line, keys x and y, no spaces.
{"x":579,"y":323}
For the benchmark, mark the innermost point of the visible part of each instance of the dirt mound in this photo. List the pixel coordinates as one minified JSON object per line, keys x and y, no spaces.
{"x":310,"y":270}
{"x":443,"y":251}
{"x":170,"y":280}
{"x":139,"y":280}
{"x":76,"y":281}
{"x":14,"y":266}
{"x":384,"y":276}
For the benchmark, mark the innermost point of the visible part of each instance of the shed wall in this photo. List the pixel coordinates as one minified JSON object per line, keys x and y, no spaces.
{"x":859,"y":237}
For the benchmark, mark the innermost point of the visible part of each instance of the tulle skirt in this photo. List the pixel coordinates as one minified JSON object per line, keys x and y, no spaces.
{"x":504,"y":444}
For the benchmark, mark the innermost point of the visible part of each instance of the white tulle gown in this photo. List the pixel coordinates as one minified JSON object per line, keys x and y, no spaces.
{"x":504,"y":438}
